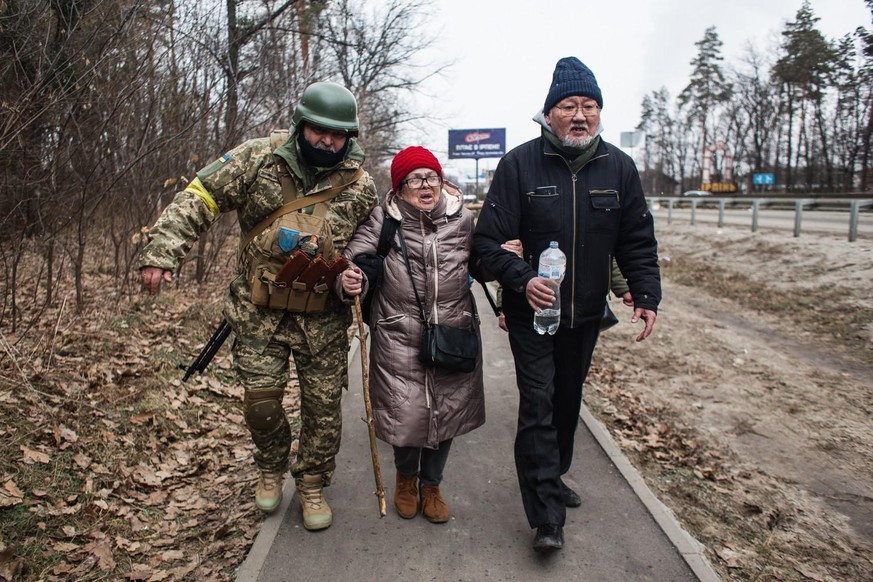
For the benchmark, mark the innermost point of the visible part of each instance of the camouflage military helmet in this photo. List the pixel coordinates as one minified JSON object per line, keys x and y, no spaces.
{"x":328,"y":105}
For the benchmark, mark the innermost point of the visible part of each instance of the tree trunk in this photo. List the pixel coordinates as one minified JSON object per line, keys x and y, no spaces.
{"x":865,"y":156}
{"x":232,"y":73}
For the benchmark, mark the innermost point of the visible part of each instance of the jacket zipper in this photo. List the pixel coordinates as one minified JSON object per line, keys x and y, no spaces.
{"x":436,"y":281}
{"x":435,"y":316}
{"x":573,"y":276}
{"x":575,"y":220}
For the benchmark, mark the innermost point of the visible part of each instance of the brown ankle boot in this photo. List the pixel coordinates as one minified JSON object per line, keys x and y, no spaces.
{"x":406,"y":496}
{"x":433,"y":506}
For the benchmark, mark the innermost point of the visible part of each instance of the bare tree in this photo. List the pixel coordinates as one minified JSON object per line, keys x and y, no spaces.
{"x":107,"y":109}
{"x":377,"y":54}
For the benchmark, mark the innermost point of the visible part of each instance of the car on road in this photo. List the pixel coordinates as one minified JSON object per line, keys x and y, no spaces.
{"x":696,"y":193}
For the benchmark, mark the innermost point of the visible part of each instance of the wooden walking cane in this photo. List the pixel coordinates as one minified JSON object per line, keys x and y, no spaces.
{"x":377,"y":472}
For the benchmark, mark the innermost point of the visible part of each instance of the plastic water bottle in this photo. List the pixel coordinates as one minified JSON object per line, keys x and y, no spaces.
{"x":552,"y":265}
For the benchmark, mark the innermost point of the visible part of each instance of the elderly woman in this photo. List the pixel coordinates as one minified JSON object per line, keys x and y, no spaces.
{"x":418,"y":409}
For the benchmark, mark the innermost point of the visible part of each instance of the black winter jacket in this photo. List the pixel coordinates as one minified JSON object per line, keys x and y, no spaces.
{"x":596,"y":214}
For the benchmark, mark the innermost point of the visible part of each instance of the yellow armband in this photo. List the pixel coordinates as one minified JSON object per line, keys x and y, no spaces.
{"x":196,"y":187}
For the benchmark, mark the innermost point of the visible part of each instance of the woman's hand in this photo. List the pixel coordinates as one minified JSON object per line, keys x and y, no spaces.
{"x":513,"y":246}
{"x":353,"y":281}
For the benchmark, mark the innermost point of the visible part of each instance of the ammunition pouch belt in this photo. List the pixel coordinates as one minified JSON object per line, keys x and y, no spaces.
{"x":287,"y":275}
{"x":288,"y":258}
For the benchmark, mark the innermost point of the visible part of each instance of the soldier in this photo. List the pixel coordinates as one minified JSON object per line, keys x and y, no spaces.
{"x":274,"y":314}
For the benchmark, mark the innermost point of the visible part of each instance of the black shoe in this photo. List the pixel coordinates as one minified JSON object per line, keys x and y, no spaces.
{"x":571,"y":498}
{"x":549,"y":538}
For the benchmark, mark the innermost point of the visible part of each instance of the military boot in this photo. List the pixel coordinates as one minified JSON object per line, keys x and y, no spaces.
{"x":316,"y":511}
{"x":268,"y":494}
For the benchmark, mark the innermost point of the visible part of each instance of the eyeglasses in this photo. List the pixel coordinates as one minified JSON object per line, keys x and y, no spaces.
{"x":570,"y":110}
{"x":415,"y":183}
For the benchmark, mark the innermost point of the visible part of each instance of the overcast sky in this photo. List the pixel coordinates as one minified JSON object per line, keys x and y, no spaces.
{"x":504,"y":52}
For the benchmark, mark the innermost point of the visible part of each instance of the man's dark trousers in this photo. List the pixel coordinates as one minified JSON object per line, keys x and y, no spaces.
{"x":550,"y":371}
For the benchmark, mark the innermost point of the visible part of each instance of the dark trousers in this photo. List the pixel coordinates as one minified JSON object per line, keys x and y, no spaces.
{"x":550,"y":371}
{"x":428,"y":463}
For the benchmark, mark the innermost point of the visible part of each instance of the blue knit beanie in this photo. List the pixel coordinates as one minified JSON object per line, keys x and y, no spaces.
{"x":571,"y":78}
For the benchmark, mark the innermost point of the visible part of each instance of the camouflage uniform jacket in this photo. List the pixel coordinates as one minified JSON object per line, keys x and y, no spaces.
{"x":245,"y":180}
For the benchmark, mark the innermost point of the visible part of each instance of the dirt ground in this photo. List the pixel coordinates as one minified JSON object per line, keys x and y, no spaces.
{"x":750,"y":409}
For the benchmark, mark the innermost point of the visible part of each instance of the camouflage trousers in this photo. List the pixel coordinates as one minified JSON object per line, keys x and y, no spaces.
{"x":322,"y":376}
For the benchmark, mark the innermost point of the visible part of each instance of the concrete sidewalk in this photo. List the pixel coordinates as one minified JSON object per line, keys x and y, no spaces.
{"x":621,"y":532}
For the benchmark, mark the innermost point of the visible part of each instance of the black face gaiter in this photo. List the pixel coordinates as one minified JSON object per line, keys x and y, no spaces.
{"x":321,"y":158}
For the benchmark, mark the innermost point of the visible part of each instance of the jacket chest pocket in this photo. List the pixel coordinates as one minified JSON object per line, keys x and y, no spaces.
{"x":605,"y":208}
{"x":542,"y":211}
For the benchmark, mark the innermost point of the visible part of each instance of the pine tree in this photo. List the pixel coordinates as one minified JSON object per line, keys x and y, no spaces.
{"x":805,"y":71}
{"x":707,"y":87}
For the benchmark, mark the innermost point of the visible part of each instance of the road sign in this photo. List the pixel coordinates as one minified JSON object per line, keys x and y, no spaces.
{"x":477,"y":143}
{"x":764,"y":179}
{"x":631,"y":139}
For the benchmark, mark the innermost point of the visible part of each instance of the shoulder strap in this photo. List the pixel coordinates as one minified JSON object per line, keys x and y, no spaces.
{"x":289,"y":188}
{"x":278,"y":137}
{"x":386,"y":236}
{"x":421,"y":314}
{"x":301,"y":202}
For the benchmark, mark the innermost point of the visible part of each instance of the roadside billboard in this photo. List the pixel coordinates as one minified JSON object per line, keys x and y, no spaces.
{"x":477,"y":143}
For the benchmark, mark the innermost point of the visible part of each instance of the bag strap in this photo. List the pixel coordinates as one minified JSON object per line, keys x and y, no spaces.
{"x":302,"y":202}
{"x":411,"y":278}
{"x":421,"y":314}
{"x":490,"y":299}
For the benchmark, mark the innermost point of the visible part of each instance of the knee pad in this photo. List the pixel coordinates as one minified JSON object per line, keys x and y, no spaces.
{"x":263,"y":412}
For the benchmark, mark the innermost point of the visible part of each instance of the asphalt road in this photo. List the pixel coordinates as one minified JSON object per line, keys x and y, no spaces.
{"x":621,"y":532}
{"x":818,"y":221}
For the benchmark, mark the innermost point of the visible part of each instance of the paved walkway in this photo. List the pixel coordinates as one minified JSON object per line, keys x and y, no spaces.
{"x":621,"y":532}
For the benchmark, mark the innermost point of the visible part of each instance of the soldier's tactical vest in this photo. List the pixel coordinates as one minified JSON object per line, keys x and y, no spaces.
{"x":291,"y":259}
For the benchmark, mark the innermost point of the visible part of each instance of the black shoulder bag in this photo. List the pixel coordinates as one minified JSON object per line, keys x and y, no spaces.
{"x":443,"y":346}
{"x":373,"y":265}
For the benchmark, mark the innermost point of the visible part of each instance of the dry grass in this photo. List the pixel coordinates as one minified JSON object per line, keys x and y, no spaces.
{"x":821,"y":309}
{"x":110,"y":467}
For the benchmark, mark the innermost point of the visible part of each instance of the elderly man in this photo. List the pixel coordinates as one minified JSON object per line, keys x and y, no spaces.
{"x":298,"y":201}
{"x":572,"y":187}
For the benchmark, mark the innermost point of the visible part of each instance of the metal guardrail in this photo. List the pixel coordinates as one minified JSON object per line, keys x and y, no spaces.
{"x":853,"y":205}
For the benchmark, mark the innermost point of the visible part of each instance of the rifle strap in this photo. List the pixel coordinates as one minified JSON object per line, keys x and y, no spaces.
{"x":297,"y":204}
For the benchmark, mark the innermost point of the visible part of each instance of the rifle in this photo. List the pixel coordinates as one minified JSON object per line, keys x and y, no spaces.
{"x":208,"y":352}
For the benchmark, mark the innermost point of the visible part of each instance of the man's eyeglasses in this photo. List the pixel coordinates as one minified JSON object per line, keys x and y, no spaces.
{"x":415,"y":183}
{"x":570,"y":110}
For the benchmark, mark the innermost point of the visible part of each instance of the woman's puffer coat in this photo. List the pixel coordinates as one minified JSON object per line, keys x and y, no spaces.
{"x":414,"y":406}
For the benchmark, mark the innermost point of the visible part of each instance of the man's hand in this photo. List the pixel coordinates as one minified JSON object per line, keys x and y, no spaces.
{"x":152,"y":278}
{"x":648,"y":316}
{"x":353,"y":281}
{"x":501,"y":322}
{"x":540,"y":293}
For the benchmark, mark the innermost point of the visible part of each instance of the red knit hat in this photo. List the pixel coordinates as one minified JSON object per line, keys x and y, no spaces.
{"x":410,"y":159}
